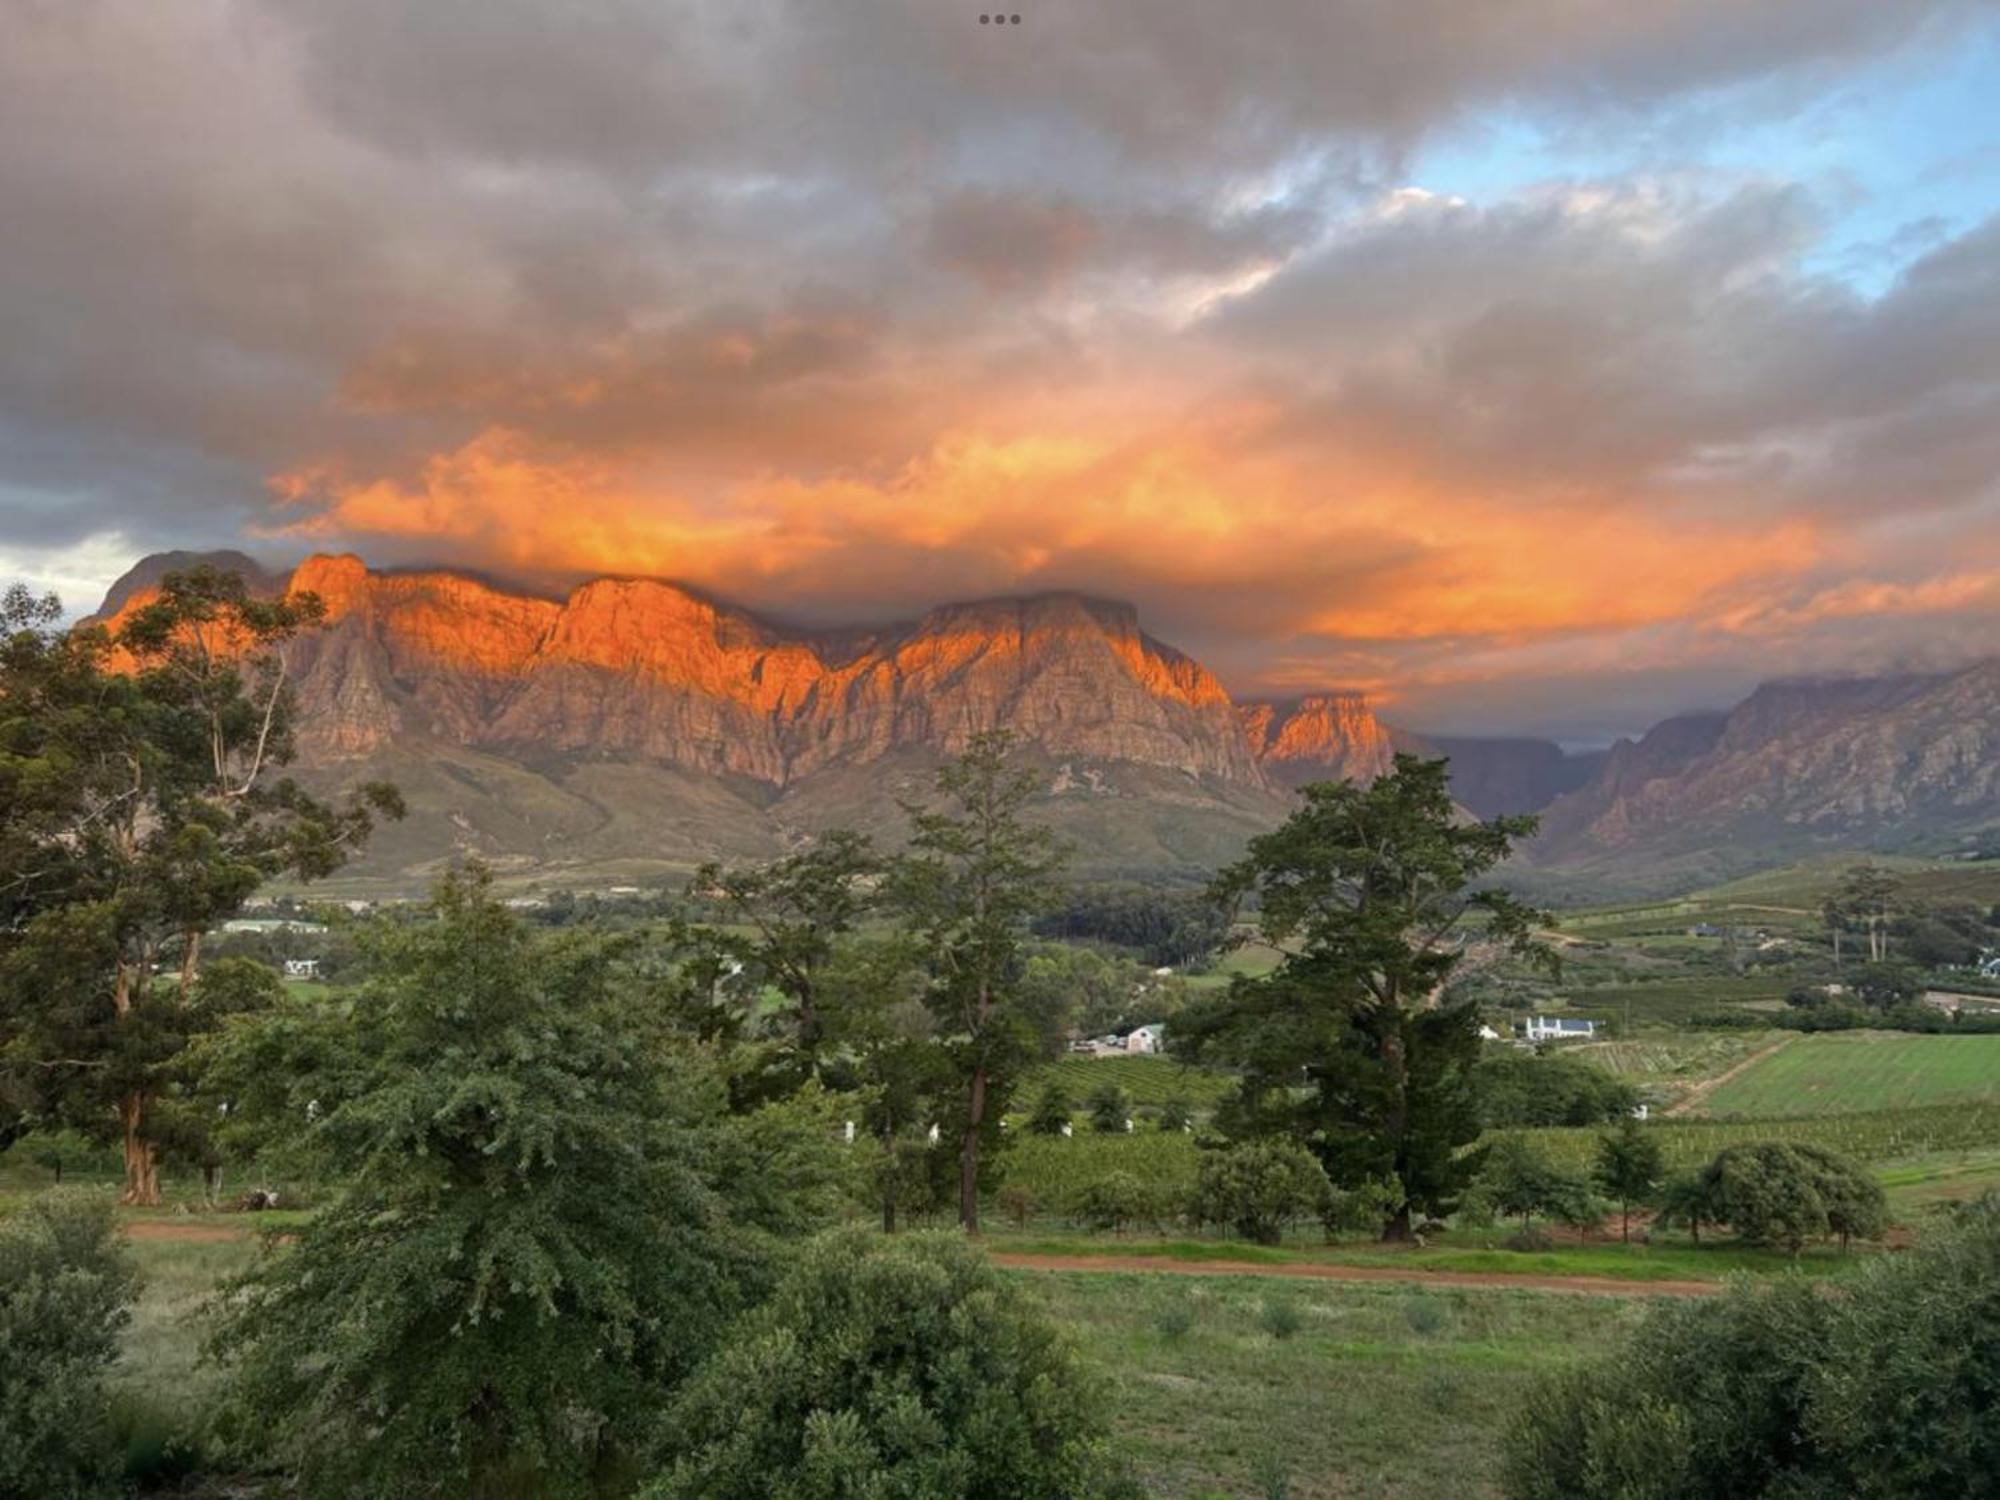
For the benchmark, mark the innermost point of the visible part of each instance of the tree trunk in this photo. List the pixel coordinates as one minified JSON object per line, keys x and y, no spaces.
{"x":190,"y":959}
{"x":1625,"y":1227}
{"x":142,"y":1168}
{"x":968,"y":1153}
{"x":1395,"y":1061}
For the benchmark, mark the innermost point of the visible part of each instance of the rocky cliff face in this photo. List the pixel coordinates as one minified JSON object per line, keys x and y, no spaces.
{"x":1902,"y":762}
{"x":1323,"y":737}
{"x":642,"y":669}
{"x":634,"y":721}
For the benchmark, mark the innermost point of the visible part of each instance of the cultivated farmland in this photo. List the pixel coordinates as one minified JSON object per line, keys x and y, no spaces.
{"x":1852,"y":1072}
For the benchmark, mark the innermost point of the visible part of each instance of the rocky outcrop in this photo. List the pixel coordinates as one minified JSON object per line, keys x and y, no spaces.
{"x":1322,"y":737}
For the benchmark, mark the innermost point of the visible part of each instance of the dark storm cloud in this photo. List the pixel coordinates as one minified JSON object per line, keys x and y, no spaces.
{"x":820,"y":290}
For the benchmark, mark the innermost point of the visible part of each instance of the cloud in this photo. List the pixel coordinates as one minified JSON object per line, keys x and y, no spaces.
{"x":846,"y":309}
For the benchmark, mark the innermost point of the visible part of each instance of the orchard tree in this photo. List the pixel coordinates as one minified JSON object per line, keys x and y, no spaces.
{"x":974,"y":877}
{"x":1629,"y":1167}
{"x":1052,"y":1109}
{"x":1109,"y":1109}
{"x":1350,"y":1045}
{"x":143,"y":808}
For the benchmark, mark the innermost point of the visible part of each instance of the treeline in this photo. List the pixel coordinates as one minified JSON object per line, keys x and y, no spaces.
{"x":1184,"y":930}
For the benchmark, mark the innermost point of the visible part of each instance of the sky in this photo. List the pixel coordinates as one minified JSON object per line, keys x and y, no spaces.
{"x":1540,"y":366}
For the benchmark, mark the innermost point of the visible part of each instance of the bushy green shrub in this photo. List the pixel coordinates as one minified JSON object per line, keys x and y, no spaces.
{"x":1280,"y":1317}
{"x":64,"y":1287}
{"x":1258,"y":1188}
{"x":1113,"y":1201}
{"x":1781,"y":1391}
{"x":895,"y":1368}
{"x":1786,"y":1193}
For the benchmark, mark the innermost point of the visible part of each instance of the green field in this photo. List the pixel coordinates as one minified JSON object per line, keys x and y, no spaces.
{"x":1853,"y":1072}
{"x":1877,"y":1136}
{"x":1383,"y":1391}
{"x":1146,"y":1081}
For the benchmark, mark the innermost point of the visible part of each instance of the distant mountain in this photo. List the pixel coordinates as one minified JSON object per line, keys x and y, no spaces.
{"x":637,"y":721}
{"x":1494,"y":776}
{"x":145,"y":575}
{"x":635,"y":725}
{"x":1899,"y":764}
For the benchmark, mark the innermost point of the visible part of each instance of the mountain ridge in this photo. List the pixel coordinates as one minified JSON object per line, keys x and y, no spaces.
{"x":633,"y":716}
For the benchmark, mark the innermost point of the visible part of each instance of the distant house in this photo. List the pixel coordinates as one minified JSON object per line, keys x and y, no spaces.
{"x":1990,"y":968}
{"x":1558,"y":1029}
{"x":1146,"y":1039}
{"x":1488,"y":1034}
{"x":1704,"y":929}
{"x":301,"y":968}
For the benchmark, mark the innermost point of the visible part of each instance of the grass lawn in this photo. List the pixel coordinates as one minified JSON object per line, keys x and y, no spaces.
{"x":1381,"y":1391}
{"x":1843,"y":1072}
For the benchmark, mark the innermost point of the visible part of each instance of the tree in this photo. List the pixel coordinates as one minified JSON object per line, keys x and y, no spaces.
{"x":1629,"y":1166}
{"x":797,"y":910}
{"x":1781,"y":1193}
{"x":1685,"y":1199}
{"x":1109,"y":1109}
{"x":1051,"y":1110}
{"x":1518,"y":1089}
{"x":883,"y":1046}
{"x":974,"y":876}
{"x":545,"y":1215}
{"x":891,"y":1368}
{"x":1258,"y":1188}
{"x":1518,"y":1179}
{"x":150,"y":813}
{"x":66,"y":1285}
{"x":1885,"y":986}
{"x":1176,"y":1114}
{"x":1778,"y":1390}
{"x":1867,"y":894}
{"x":1350,"y":1045}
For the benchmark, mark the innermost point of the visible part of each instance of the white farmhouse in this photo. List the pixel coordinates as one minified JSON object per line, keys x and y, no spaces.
{"x":1559,"y":1029}
{"x":1146,"y":1039}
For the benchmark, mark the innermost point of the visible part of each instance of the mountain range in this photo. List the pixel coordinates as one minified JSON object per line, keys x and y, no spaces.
{"x":636,"y":726}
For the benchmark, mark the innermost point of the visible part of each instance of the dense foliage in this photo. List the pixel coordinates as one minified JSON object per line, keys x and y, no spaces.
{"x":891,"y":1370}
{"x":1786,"y":1193}
{"x":1259,"y":1188}
{"x":139,"y":807}
{"x":975,"y":875}
{"x":1362,"y":889}
{"x":544,"y":1216}
{"x":1519,"y":1088}
{"x":64,"y":1287}
{"x":1178,"y":929}
{"x":1885,"y":1389}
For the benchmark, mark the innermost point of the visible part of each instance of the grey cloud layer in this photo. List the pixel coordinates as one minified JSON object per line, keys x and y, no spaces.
{"x":239,"y":237}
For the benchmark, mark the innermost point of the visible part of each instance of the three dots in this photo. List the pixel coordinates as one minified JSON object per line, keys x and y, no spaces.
{"x":992,"y":20}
